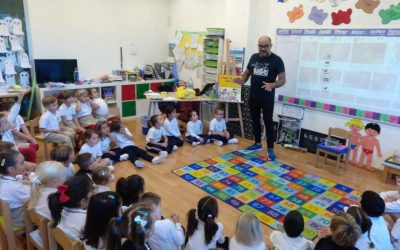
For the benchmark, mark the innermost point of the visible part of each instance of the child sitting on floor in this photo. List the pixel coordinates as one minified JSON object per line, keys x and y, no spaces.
{"x":291,"y":238}
{"x":171,"y":126}
{"x":248,"y":234}
{"x":87,"y":163}
{"x":194,"y":130}
{"x":101,"y":112}
{"x":218,"y":130}
{"x":12,"y":189}
{"x":107,"y":141}
{"x":66,"y":155}
{"x":130,"y":189}
{"x":167,"y":234}
{"x":124,"y":140}
{"x":362,"y":219}
{"x":102,"y":177}
{"x":92,"y":146}
{"x":203,"y":232}
{"x":84,"y":109}
{"x":156,"y":138}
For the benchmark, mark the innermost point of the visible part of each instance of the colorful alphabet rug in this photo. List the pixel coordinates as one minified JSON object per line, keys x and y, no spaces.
{"x":270,"y":189}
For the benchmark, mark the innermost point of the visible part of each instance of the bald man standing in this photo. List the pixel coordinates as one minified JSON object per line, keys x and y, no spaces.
{"x":267,"y":73}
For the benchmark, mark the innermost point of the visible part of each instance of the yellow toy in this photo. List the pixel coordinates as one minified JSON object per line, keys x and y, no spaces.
{"x":185,"y":93}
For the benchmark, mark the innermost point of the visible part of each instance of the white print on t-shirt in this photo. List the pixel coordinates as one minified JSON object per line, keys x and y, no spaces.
{"x":261,"y":69}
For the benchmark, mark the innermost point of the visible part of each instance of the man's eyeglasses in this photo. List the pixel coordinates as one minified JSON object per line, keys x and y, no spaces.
{"x":264,"y":46}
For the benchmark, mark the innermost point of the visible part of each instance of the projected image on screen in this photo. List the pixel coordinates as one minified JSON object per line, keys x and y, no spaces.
{"x":349,"y":68}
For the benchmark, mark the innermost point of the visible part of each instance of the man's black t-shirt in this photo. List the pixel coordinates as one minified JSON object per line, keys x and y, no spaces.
{"x":264,"y":69}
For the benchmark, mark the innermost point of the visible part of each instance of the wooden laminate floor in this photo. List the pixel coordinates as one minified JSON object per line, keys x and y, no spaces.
{"x":179,"y":196}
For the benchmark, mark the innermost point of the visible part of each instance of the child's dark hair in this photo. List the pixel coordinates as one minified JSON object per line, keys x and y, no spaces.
{"x":6,"y":106}
{"x":127,"y":226}
{"x":60,"y":153}
{"x":47,"y":100}
{"x":372,"y":204}
{"x":70,"y":195}
{"x":169,"y":109}
{"x":217,"y":110}
{"x":152,"y":121}
{"x":84,"y":160}
{"x":8,"y":159}
{"x":374,"y":126}
{"x":65,"y":95}
{"x":191,"y":113}
{"x":102,"y":208}
{"x":363,"y":221}
{"x":115,"y":126}
{"x":5,"y":146}
{"x":130,"y":189}
{"x":150,"y":198}
{"x":293,"y":224}
{"x":89,"y":133}
{"x":207,"y":211}
{"x":100,"y":124}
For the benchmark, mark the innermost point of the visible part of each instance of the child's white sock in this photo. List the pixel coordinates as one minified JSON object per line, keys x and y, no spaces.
{"x":163,"y":153}
{"x":194,"y":144}
{"x":218,"y":143}
{"x":123,"y":157}
{"x":233,"y":141}
{"x":174,"y":148}
{"x":139,"y":164}
{"x":158,"y":159}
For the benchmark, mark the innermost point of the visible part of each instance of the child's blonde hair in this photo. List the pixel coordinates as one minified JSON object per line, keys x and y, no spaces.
{"x":81,"y":92}
{"x":47,"y":100}
{"x":248,"y":230}
{"x":345,"y":230}
{"x":101,"y":175}
{"x":355,"y":122}
{"x":61,"y":153}
{"x":46,"y":171}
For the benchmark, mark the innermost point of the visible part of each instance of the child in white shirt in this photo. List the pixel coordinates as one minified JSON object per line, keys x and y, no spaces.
{"x":12,"y":189}
{"x":102,"y":177}
{"x":156,"y":138}
{"x":218,"y":131}
{"x":92,"y":146}
{"x":67,"y":112}
{"x":392,"y":201}
{"x":395,"y":235}
{"x":49,"y":124}
{"x":207,"y":211}
{"x":84,"y":109}
{"x":7,"y":122}
{"x":124,"y":140}
{"x":66,"y":155}
{"x":167,"y":233}
{"x":101,"y":112}
{"x":48,"y":176}
{"x":364,"y":242}
{"x":194,"y":130}
{"x":171,"y":127}
{"x":374,"y":206}
{"x":68,"y":206}
{"x":291,"y":238}
{"x":107,"y":141}
{"x":248,"y":234}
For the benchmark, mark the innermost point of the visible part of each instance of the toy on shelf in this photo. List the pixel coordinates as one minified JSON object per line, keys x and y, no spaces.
{"x":355,"y":125}
{"x":368,"y":142}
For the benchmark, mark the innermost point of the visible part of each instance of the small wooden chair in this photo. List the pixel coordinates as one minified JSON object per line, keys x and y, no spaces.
{"x":58,"y":237}
{"x":36,"y":238}
{"x":8,"y":231}
{"x":338,"y":153}
{"x":33,"y":128}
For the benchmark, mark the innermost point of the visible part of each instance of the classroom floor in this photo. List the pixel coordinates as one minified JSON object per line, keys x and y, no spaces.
{"x":179,"y":196}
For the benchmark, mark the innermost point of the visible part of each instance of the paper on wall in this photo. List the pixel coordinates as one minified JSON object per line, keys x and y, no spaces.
{"x":193,"y":43}
{"x":178,"y":38}
{"x":179,"y":53}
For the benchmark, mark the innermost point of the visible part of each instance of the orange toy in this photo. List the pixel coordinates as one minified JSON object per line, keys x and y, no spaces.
{"x":296,"y":13}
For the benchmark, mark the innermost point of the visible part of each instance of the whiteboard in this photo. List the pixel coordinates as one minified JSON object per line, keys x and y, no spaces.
{"x":354,"y":68}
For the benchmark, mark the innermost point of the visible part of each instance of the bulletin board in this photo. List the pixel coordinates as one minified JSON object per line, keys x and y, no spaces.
{"x":188,"y":53}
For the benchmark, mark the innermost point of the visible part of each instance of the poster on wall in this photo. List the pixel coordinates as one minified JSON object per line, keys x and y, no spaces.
{"x":228,"y":89}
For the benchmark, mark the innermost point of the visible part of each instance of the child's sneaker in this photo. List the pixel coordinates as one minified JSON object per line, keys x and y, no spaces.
{"x":158,"y":159}
{"x":163,"y":153}
{"x":255,"y":147}
{"x":218,"y":143}
{"x":233,"y":141}
{"x":139,"y":164}
{"x":174,"y":148}
{"x":123,"y":157}
{"x":271,"y":154}
{"x":111,"y":167}
{"x":194,"y":144}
